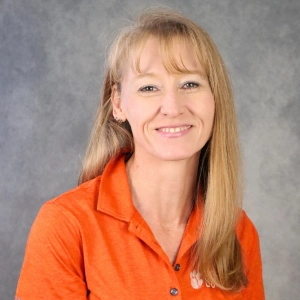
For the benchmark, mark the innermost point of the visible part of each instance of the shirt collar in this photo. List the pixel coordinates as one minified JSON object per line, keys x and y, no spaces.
{"x":115,"y":198}
{"x":114,"y":193}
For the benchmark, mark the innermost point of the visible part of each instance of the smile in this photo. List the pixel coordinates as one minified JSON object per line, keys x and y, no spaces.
{"x":174,"y":129}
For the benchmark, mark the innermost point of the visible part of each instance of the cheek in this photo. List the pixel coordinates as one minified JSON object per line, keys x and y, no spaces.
{"x":128,"y":107}
{"x":211,"y":108}
{"x":135,"y":119}
{"x":206,"y":109}
{"x":210,"y":104}
{"x":138,"y":114}
{"x":211,"y":115}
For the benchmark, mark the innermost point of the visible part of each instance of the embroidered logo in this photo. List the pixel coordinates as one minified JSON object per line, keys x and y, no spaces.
{"x":197,"y":281}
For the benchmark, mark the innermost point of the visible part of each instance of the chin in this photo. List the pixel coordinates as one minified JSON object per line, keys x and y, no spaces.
{"x":176,"y":155}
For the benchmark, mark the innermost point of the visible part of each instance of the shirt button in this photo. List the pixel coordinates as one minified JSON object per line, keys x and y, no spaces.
{"x":174,"y":292}
{"x":177,"y":267}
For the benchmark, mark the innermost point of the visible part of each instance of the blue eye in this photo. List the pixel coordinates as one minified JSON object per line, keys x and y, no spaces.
{"x":147,"y":88}
{"x":190,"y":85}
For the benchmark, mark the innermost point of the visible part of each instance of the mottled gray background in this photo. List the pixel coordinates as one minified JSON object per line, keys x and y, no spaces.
{"x":51,"y":58}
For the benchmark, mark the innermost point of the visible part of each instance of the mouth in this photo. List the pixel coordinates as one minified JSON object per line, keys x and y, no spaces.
{"x":174,"y":129}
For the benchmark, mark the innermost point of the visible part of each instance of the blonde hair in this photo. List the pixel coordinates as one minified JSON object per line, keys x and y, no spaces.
{"x":217,"y":255}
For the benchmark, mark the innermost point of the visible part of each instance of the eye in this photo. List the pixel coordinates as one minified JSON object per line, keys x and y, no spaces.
{"x":190,"y":85}
{"x":148,"y":89}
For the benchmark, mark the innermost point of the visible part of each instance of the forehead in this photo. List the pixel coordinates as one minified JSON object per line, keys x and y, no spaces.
{"x":176,"y":54}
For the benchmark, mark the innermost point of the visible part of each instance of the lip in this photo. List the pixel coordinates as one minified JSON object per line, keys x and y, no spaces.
{"x":174,"y":130}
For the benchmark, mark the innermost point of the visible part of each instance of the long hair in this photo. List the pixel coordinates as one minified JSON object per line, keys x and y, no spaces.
{"x":217,"y":255}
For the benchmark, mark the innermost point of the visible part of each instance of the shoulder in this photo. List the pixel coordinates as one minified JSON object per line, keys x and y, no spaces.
{"x":244,"y":224}
{"x":84,"y":196}
{"x":250,"y":245}
{"x":248,"y":237}
{"x":71,"y":206}
{"x":86,"y":190}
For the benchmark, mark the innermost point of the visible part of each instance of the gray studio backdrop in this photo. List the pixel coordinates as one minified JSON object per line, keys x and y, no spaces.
{"x":51,"y":68}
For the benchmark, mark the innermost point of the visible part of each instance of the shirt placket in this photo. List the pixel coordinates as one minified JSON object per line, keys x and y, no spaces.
{"x":137,"y":227}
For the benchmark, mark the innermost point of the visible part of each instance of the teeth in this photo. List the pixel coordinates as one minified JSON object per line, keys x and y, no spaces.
{"x":176,"y":129}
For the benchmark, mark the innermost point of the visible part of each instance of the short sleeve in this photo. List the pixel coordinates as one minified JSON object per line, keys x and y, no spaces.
{"x":249,"y":240}
{"x":53,"y":267}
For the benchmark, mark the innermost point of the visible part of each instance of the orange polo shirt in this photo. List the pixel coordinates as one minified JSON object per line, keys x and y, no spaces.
{"x":91,"y":243}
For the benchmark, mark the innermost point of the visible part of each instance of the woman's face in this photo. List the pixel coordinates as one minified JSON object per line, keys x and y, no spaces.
{"x":171,"y":115}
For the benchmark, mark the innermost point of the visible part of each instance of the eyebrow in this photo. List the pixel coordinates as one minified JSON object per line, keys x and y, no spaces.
{"x":187,"y":72}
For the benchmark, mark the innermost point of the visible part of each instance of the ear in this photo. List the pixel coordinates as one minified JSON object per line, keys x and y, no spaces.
{"x":118,"y":113}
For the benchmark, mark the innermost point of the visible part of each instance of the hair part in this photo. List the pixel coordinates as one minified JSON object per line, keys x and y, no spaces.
{"x":217,"y":255}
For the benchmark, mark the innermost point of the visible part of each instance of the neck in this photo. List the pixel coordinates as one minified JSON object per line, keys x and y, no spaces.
{"x":163,"y":191}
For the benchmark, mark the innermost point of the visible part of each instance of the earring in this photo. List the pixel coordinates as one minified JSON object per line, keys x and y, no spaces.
{"x":118,"y":120}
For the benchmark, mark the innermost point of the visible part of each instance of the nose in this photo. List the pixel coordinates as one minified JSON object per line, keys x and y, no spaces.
{"x":171,"y":104}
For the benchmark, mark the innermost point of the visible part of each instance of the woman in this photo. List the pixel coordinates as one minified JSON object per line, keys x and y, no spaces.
{"x":157,"y":212}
